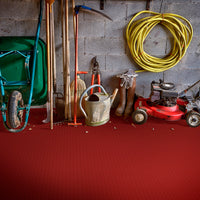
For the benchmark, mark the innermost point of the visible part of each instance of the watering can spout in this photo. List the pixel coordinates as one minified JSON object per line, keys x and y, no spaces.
{"x":112,"y":98}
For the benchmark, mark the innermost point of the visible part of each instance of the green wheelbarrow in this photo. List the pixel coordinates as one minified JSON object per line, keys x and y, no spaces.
{"x":23,"y":77}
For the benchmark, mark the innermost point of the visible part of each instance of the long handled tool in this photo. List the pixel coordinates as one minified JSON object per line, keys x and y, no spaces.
{"x":186,"y":90}
{"x":53,"y":49}
{"x":48,"y":62}
{"x":66,"y":59}
{"x":81,"y":86}
{"x":63,"y":42}
{"x":74,"y":19}
{"x":67,"y":81}
{"x":50,"y":59}
{"x":76,"y":73}
{"x":77,"y":9}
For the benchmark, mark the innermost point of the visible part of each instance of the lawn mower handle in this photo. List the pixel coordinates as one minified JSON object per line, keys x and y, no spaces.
{"x":184,"y":91}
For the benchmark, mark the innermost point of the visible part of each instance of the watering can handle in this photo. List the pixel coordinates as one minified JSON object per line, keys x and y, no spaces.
{"x":83,"y":94}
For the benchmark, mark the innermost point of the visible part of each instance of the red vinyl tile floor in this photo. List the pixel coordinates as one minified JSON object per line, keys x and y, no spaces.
{"x":116,"y":161}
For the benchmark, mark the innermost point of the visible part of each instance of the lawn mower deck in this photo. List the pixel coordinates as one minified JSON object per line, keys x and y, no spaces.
{"x":171,"y":113}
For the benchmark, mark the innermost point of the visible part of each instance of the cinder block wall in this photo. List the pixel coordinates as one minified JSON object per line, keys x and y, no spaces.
{"x":105,"y":39}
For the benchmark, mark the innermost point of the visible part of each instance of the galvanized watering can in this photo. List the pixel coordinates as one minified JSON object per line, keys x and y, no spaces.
{"x":97,"y":106}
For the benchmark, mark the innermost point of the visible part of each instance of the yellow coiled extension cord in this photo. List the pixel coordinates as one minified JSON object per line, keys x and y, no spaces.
{"x":137,"y":31}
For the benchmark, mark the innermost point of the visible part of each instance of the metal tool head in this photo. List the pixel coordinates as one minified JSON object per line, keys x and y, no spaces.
{"x":95,"y":65}
{"x":50,"y":1}
{"x":88,"y":9}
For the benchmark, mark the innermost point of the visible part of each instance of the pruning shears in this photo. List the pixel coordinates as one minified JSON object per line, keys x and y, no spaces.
{"x":95,"y":71}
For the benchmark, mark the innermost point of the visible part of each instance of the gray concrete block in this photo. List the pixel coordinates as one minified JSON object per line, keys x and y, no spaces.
{"x":155,"y":47}
{"x":115,"y":29}
{"x":156,"y":6}
{"x":7,"y":27}
{"x":17,"y":9}
{"x":60,"y":89}
{"x":194,"y":47}
{"x":134,"y":7}
{"x":26,"y":28}
{"x":196,"y":27}
{"x":104,"y":46}
{"x":116,"y":10}
{"x":187,"y":10}
{"x":118,"y":64}
{"x":182,"y":1}
{"x":91,"y":29}
{"x":190,"y":61}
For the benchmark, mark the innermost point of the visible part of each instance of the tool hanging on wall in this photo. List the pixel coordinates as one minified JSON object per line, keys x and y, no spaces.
{"x":75,"y":87}
{"x":137,"y":31}
{"x":51,"y":67}
{"x":148,"y":4}
{"x":102,"y":4}
{"x":95,"y":72}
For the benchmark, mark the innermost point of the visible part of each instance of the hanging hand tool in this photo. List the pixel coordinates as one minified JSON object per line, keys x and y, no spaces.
{"x":77,"y":9}
{"x":86,"y":8}
{"x":148,"y":4}
{"x":95,"y":71}
{"x":102,"y":4}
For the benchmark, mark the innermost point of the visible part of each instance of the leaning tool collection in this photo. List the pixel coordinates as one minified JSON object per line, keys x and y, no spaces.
{"x":36,"y":83}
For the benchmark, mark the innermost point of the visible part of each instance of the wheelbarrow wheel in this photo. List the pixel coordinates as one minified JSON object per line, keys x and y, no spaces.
{"x":14,"y":114}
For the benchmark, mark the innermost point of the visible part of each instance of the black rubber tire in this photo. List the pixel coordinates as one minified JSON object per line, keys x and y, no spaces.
{"x":15,"y":116}
{"x":139,"y":116}
{"x":193,"y":119}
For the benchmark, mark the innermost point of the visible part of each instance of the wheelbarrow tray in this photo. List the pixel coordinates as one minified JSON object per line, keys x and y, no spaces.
{"x":13,"y":68}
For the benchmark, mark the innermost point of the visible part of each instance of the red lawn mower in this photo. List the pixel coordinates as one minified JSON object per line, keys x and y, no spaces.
{"x":166,"y":103}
